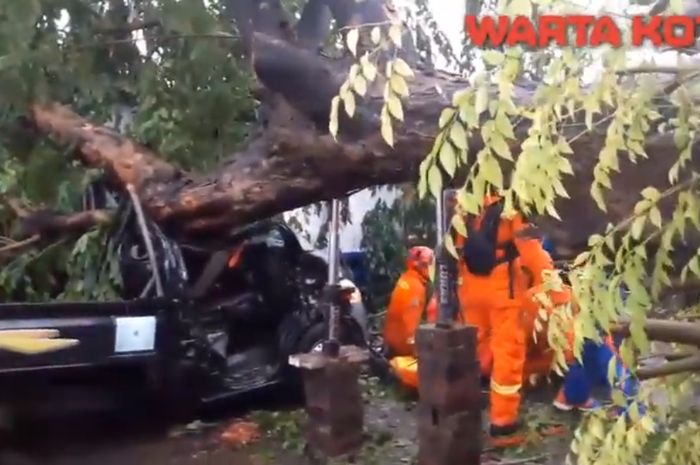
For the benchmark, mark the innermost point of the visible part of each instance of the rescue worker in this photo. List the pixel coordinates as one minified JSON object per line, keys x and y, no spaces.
{"x":580,"y":378}
{"x":491,"y":288}
{"x":410,"y":303}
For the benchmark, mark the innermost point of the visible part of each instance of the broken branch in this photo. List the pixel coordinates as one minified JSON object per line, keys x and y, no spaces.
{"x":684,"y":365}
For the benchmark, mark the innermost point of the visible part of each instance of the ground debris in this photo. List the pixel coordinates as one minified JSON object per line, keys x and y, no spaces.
{"x":192,"y":428}
{"x":523,"y":460}
{"x":240,"y":434}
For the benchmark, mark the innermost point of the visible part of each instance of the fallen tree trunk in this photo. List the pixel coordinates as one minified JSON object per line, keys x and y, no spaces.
{"x":293,"y":161}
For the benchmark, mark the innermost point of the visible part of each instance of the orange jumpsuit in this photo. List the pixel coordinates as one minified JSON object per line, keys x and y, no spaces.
{"x":540,"y":356}
{"x":404,"y":314}
{"x":486,"y":302}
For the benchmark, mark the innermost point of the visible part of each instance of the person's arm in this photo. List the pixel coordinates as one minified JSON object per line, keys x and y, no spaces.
{"x":533,"y":257}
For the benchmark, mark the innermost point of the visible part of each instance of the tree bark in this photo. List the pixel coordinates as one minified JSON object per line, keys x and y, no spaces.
{"x":293,"y":161}
{"x":678,"y":332}
{"x":690,"y":363}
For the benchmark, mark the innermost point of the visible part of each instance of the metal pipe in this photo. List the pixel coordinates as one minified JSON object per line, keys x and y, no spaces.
{"x":333,"y":266}
{"x":440,"y":219}
{"x":146,"y":238}
{"x":333,"y":242}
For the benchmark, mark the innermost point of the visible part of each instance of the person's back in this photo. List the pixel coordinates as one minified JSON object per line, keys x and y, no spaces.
{"x":491,"y":287}
{"x":407,"y":306}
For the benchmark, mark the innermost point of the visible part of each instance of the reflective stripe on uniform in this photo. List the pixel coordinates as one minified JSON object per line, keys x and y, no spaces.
{"x":505,"y":389}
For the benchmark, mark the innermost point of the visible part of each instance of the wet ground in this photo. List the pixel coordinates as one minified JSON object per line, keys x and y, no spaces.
{"x":137,"y":438}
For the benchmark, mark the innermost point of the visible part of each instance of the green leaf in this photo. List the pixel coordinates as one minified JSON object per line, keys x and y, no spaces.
{"x":446,"y":117}
{"x":564,"y":147}
{"x":435,"y":181}
{"x":398,"y":85}
{"x":638,"y":227}
{"x":348,"y":103}
{"x":482,"y":100}
{"x":351,"y":39}
{"x":376,"y":35}
{"x":652,"y":194}
{"x":459,"y":225}
{"x":458,"y":135}
{"x":493,"y":57}
{"x":500,"y":146}
{"x":360,"y":85}
{"x":617,"y":396}
{"x":395,"y":34}
{"x":694,"y":265}
{"x":504,"y":126}
{"x":402,"y":68}
{"x":450,"y":246}
{"x":333,"y":120}
{"x":491,"y":170}
{"x":448,"y":158}
{"x":655,"y":217}
{"x":386,"y":128}
{"x":612,"y":370}
{"x":597,"y":195}
{"x":395,"y":107}
{"x":368,"y":68}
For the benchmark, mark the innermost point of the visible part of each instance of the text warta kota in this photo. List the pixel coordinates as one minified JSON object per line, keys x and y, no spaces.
{"x":590,"y":31}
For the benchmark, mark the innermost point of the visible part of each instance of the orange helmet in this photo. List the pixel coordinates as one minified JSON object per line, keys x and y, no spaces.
{"x":420,"y":258}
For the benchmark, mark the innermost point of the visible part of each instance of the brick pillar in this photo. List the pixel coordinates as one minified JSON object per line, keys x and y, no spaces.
{"x":333,"y":400}
{"x":449,"y":408}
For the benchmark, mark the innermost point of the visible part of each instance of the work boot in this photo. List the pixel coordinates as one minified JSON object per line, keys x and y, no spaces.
{"x":507,"y":435}
{"x":560,"y":403}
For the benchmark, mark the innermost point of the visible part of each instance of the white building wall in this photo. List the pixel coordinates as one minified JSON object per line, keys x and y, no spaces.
{"x":359,"y":205}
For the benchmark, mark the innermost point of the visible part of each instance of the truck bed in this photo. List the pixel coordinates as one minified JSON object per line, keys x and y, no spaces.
{"x":119,"y":332}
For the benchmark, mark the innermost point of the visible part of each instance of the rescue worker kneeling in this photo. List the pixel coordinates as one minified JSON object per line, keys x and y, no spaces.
{"x":410,"y":303}
{"x":491,"y":288}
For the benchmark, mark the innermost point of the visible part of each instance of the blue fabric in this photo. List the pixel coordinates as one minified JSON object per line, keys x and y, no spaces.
{"x":581,"y":379}
{"x":358,"y":266}
{"x":548,"y":245}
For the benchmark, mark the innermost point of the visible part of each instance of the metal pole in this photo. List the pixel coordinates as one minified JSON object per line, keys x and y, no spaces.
{"x":333,"y":242}
{"x":332,"y":347}
{"x":146,"y":238}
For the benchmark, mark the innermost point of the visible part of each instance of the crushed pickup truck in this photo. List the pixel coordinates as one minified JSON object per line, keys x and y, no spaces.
{"x":198,"y":322}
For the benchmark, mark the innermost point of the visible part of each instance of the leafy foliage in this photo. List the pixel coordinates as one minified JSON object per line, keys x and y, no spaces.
{"x":626,"y":267}
{"x":167,"y":73}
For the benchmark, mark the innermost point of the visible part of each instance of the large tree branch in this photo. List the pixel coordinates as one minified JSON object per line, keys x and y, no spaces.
{"x":36,"y":226}
{"x":294,"y":161}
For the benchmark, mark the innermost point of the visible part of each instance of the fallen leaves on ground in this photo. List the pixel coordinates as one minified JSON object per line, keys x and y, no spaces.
{"x":240,"y":434}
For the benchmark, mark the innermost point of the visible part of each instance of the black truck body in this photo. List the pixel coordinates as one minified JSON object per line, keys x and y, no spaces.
{"x":217,"y":330}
